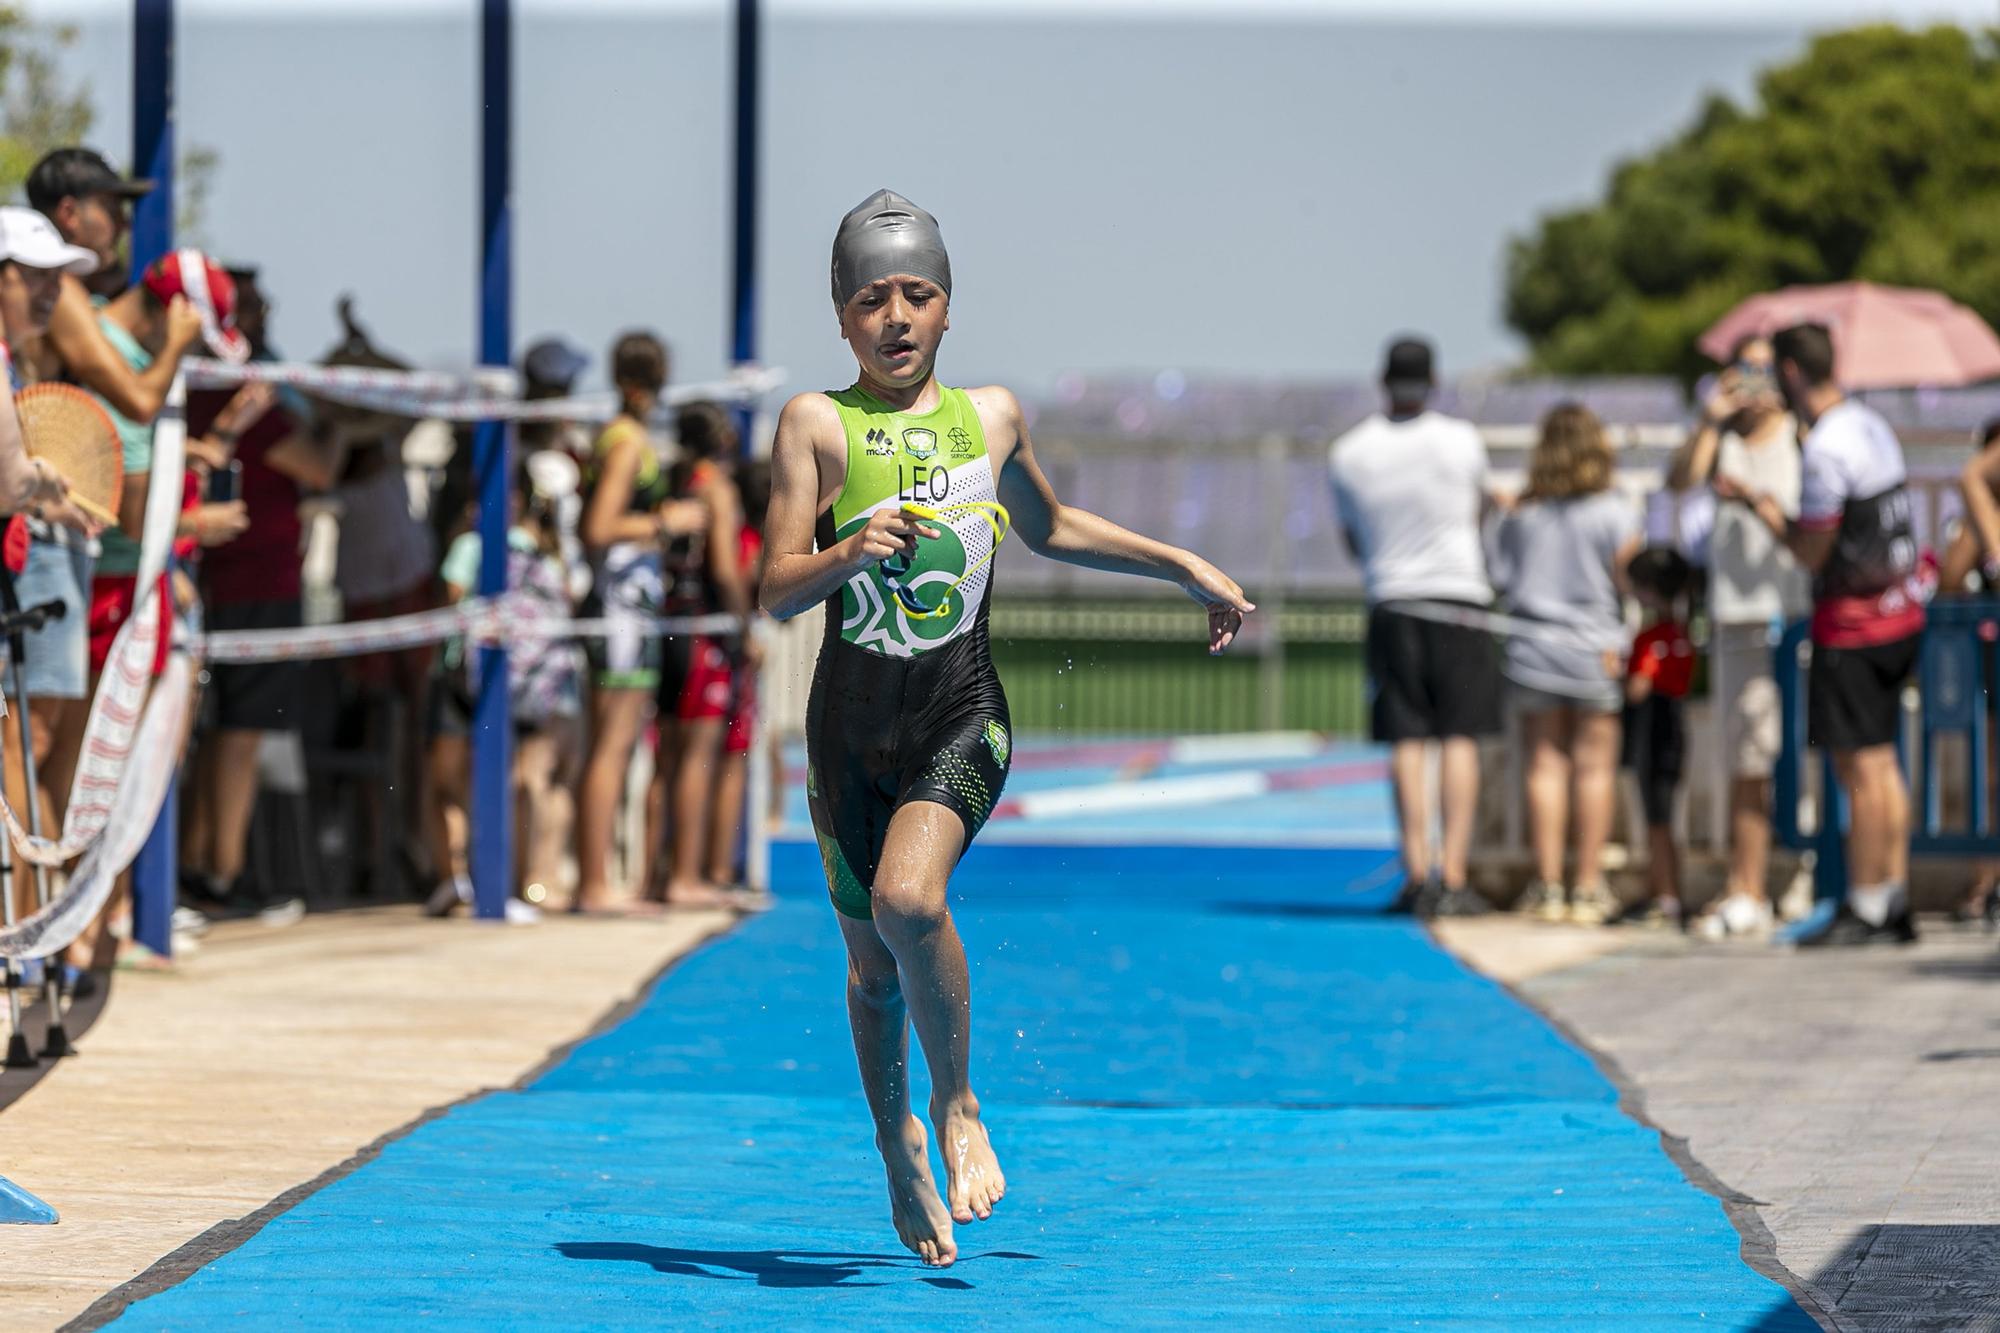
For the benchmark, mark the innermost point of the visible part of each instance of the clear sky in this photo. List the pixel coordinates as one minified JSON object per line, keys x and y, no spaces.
{"x":1265,"y":187}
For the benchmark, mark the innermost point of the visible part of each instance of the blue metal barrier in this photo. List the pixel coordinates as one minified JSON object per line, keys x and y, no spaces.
{"x":1958,"y":687}
{"x":1956,"y":679}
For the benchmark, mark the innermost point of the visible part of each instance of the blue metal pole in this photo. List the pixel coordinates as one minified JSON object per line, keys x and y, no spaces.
{"x":154,"y":873}
{"x":743,"y":296}
{"x":492,"y":812}
{"x":153,"y":129}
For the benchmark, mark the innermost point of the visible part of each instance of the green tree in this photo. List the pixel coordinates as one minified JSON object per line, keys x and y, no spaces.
{"x":1876,"y":155}
{"x":36,"y":112}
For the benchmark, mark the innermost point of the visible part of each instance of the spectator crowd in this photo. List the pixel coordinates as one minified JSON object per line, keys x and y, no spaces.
{"x":1593,"y":618}
{"x":643,"y":516}
{"x":1598,"y":614}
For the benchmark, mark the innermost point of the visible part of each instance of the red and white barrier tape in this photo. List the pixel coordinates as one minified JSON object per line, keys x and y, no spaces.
{"x":133,"y":810}
{"x":104,"y":767}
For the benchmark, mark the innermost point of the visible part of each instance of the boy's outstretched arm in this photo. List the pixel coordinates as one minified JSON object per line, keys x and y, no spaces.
{"x":1079,"y":537}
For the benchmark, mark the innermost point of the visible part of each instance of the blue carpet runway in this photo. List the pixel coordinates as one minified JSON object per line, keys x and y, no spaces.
{"x":1217,"y":1096}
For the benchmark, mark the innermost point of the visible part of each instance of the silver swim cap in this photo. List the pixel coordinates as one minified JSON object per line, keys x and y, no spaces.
{"x":883,"y":235}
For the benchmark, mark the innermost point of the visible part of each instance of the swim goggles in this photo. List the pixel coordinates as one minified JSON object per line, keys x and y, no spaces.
{"x":897,"y":567}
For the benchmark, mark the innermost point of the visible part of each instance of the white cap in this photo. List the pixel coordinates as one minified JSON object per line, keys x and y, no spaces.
{"x":31,"y":240}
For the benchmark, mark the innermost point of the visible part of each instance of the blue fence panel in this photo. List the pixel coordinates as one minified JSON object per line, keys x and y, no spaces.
{"x":1958,"y":686}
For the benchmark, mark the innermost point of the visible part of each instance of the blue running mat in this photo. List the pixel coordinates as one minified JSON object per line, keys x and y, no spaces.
{"x":1225,"y":1104}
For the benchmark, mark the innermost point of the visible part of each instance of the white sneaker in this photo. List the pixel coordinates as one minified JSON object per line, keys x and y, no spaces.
{"x":1741,"y":914}
{"x":187,"y":921}
{"x":1543,"y":901}
{"x":287,"y":913}
{"x":522,"y":913}
{"x":1593,"y":904}
{"x":1797,"y":902}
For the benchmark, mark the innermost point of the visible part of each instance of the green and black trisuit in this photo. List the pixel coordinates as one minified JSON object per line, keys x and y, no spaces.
{"x":905,"y":707}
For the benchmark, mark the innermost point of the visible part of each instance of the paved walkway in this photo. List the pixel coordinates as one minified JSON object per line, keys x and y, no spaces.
{"x":1850,"y":1100}
{"x":1226,"y":1105}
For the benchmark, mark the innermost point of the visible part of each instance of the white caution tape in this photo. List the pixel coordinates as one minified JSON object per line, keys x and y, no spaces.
{"x":482,"y":620}
{"x":1608,"y":643}
{"x":1511,"y":627}
{"x":129,"y":749}
{"x":208,"y":373}
{"x":481,"y":395}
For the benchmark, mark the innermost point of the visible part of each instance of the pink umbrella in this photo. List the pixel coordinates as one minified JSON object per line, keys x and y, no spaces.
{"x":1883,"y":337}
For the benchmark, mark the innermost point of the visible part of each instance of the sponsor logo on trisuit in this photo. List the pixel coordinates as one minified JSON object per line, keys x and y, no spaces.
{"x":996,"y":741}
{"x":920,"y":443}
{"x":880,"y":442}
{"x":961,"y":442}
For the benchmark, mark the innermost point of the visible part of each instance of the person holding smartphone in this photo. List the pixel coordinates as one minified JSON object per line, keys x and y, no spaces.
{"x":264,"y":451}
{"x":1746,"y":437}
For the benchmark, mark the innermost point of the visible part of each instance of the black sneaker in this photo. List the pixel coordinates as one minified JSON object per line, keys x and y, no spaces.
{"x":1419,"y":898}
{"x":1850,"y":931}
{"x":1461,"y":901}
{"x":1651,"y":914}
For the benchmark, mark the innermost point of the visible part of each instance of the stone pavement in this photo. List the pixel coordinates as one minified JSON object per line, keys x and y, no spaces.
{"x":1847,"y":1103}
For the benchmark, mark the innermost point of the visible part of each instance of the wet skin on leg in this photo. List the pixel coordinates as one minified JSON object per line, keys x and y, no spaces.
{"x":880,"y":1020}
{"x":923,"y":845}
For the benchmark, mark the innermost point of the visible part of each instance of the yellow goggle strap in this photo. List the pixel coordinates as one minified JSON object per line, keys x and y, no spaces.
{"x":996,"y":517}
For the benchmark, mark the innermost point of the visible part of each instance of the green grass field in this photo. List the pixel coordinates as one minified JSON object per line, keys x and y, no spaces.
{"x":1105,"y":667}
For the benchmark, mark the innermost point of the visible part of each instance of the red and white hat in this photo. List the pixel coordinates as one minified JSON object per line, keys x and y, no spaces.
{"x":210,"y":290}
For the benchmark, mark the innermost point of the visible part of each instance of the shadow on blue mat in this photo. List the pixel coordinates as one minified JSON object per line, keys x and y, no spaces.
{"x":770,"y":1268}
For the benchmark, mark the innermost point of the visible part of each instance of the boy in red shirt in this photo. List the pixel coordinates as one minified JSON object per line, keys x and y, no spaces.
{"x":1658,"y":675}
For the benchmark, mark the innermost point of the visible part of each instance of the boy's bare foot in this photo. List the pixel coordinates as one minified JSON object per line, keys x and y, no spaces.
{"x":921,"y":1220}
{"x":973,"y":1183}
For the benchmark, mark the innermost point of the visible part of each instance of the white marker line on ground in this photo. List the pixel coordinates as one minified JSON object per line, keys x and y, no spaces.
{"x":1201,"y":789}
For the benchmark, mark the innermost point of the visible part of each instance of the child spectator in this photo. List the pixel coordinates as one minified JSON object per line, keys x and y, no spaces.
{"x":753,"y":489}
{"x":704,"y":577}
{"x":1658,"y":675}
{"x":544,"y":692}
{"x":629,"y":513}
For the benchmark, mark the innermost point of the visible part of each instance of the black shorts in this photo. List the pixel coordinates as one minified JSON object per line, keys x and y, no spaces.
{"x":676,"y":653}
{"x":1431,"y":680}
{"x":882,"y":732}
{"x":1654,"y":747}
{"x":1854,"y":696}
{"x":256,"y":696}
